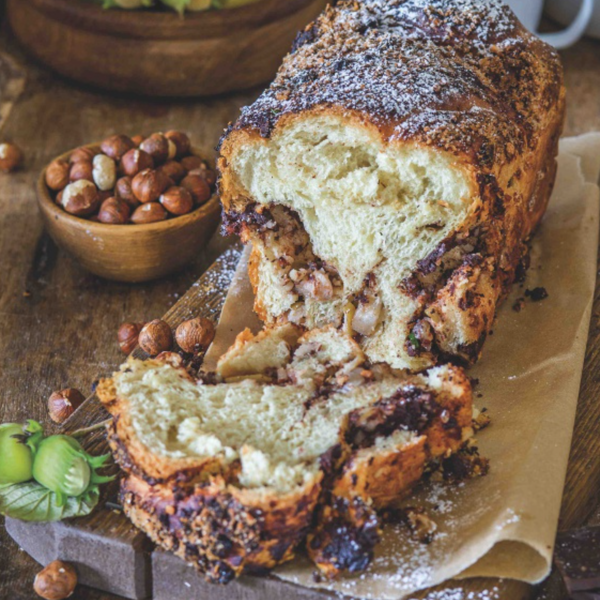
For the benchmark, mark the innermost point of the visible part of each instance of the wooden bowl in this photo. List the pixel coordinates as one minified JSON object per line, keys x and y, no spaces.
{"x":130,"y":253}
{"x":159,"y":53}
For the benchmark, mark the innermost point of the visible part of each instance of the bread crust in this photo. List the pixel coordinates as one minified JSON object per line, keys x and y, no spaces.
{"x":462,"y":78}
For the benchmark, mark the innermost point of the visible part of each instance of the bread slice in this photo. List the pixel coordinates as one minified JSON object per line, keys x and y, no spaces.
{"x":233,"y":476}
{"x":391,"y":175}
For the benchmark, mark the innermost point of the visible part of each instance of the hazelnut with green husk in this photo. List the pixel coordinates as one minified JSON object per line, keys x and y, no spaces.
{"x":46,"y":478}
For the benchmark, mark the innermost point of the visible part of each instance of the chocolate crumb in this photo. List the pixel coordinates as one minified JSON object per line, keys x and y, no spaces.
{"x":577,"y":556}
{"x":537,"y":294}
{"x":519,"y":304}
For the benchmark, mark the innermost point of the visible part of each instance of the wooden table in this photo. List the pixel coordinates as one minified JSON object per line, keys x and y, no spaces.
{"x":58,"y":323}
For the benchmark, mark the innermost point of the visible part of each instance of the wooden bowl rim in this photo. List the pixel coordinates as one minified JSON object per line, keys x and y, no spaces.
{"x":45,"y":200}
{"x":148,"y":24}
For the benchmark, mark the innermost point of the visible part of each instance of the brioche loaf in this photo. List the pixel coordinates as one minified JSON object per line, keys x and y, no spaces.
{"x":233,"y":476}
{"x":391,"y":175}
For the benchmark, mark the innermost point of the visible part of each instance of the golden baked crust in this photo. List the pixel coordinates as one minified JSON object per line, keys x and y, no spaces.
{"x":460,"y":77}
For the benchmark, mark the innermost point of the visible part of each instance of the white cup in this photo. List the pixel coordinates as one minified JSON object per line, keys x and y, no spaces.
{"x":529,"y":12}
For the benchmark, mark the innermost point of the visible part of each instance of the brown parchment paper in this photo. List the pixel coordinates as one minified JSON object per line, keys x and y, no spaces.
{"x":504,"y":524}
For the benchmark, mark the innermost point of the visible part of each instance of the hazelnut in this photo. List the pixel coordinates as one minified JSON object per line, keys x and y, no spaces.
{"x":171,"y":358}
{"x":83,"y":153}
{"x":195,"y":335}
{"x":150,"y":212}
{"x":206,"y":171}
{"x":104,"y":172}
{"x":63,"y":404}
{"x":80,"y":198}
{"x":137,"y":140}
{"x":82,"y":169}
{"x":149,"y":184}
{"x":177,"y":200}
{"x":197,"y":187}
{"x":114,"y":211}
{"x":156,"y":337}
{"x":11,"y":157}
{"x":173,"y":170}
{"x":59,"y":197}
{"x":124,"y":192}
{"x":57,"y":175}
{"x":56,"y":582}
{"x":181,"y":141}
{"x":102,"y":196}
{"x":172,"y":150}
{"x":189,"y":163}
{"x":116,"y":146}
{"x":136,"y":160}
{"x":128,"y":335}
{"x":157,"y":147}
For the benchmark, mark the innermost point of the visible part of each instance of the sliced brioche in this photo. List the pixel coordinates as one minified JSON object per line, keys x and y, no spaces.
{"x":229,"y":475}
{"x":393,"y":172}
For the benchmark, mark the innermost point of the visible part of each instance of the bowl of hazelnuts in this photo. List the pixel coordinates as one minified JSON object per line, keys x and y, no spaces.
{"x":131,"y":208}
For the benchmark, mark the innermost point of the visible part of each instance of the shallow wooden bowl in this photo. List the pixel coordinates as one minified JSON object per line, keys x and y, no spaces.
{"x":131,"y":253}
{"x":159,"y":53}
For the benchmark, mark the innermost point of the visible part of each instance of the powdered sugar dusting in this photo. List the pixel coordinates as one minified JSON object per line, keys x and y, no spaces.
{"x":463,"y":75}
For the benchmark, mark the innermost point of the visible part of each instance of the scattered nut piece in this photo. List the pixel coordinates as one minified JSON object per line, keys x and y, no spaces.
{"x":197,"y":187}
{"x":116,"y":146}
{"x":150,"y":212}
{"x":157,"y":146}
{"x":114,"y":211}
{"x":56,"y":582}
{"x":57,"y":175}
{"x":136,"y":160}
{"x":177,"y":200}
{"x":80,"y":198}
{"x":149,"y":184}
{"x":104,"y":172}
{"x":128,"y":335}
{"x":62,"y":404}
{"x":11,"y":157}
{"x":195,"y":335}
{"x":181,"y":141}
{"x":156,"y":337}
{"x":82,"y":169}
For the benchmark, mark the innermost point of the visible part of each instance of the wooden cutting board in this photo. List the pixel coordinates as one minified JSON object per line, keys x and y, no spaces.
{"x":111,"y":555}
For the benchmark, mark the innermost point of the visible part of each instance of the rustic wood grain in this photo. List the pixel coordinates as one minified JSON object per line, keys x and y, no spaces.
{"x":58,"y":324}
{"x":156,"y":52}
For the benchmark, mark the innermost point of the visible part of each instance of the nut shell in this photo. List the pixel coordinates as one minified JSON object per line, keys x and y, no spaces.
{"x":173,"y":170}
{"x":197,"y":187}
{"x":177,"y":200}
{"x":80,"y":198}
{"x":114,"y":211}
{"x":124,"y":192}
{"x":62,"y":404}
{"x":156,"y":337}
{"x":11,"y":157}
{"x":181,"y":141}
{"x":195,"y":335}
{"x":149,"y":184}
{"x":82,"y":169}
{"x":209,"y":175}
{"x":84,"y":153}
{"x":57,"y":175}
{"x":128,"y":335}
{"x":116,"y":146}
{"x":136,"y":160}
{"x":157,"y":146}
{"x":189,"y":163}
{"x":56,"y":582}
{"x":150,"y":212}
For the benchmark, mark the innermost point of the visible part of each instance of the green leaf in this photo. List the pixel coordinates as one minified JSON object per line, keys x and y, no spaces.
{"x":33,"y":502}
{"x":414,"y":341}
